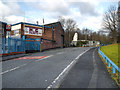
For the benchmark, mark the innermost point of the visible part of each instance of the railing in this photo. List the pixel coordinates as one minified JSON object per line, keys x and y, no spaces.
{"x":110,"y":63}
{"x":12,"y":45}
{"x":33,"y":44}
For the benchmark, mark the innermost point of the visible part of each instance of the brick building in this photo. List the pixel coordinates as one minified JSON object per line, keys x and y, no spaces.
{"x":52,"y":35}
{"x":3,"y":30}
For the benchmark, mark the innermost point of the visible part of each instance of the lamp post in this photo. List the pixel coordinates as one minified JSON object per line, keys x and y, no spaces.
{"x":118,"y":25}
{"x":118,"y":13}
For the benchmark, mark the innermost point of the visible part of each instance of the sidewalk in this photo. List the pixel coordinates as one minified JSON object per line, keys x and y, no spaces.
{"x":88,"y":72}
{"x":4,"y":58}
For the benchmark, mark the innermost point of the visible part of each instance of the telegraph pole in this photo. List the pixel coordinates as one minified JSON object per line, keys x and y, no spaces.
{"x":118,"y":12}
{"x":118,"y":37}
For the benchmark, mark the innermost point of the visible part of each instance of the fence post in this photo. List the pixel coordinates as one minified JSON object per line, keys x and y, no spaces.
{"x":23,"y":40}
{"x":114,"y":70}
{"x":40,"y":45}
{"x":8,"y":44}
{"x":16,"y":44}
{"x":103,"y":57}
{"x":106,"y":60}
{"x":3,"y":45}
{"x":109,"y":64}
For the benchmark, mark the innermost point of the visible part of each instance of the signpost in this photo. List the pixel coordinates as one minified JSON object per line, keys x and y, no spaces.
{"x":8,"y":27}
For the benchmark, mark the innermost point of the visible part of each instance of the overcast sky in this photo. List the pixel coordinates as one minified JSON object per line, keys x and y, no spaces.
{"x":86,"y":13}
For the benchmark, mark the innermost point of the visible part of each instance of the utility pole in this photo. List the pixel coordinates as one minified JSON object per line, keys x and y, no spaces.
{"x":43,"y":25}
{"x":69,"y":38}
{"x":118,"y":13}
{"x":118,"y":37}
{"x":37,"y":22}
{"x":24,"y":17}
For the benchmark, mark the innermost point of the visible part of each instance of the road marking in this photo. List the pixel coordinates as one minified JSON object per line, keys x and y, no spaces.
{"x":44,"y":58}
{"x":22,"y":65}
{"x":13,"y":69}
{"x":56,"y":81}
{"x":31,"y":57}
{"x":60,"y":53}
{"x":93,"y":81}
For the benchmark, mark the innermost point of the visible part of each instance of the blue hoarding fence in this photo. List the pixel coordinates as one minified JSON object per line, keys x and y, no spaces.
{"x":10,"y":45}
{"x":32,"y":44}
{"x":110,"y":62}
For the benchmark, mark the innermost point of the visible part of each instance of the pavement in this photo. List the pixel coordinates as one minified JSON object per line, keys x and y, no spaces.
{"x":78,"y":67}
{"x":88,"y":72}
{"x":4,"y":58}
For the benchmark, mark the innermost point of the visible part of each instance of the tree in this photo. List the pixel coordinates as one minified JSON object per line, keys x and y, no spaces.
{"x":70,"y":27}
{"x":110,"y":22}
{"x":62,"y":21}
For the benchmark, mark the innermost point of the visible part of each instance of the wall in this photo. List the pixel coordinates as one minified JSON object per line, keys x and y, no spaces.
{"x":3,"y":29}
{"x":59,"y":35}
{"x":47,"y":42}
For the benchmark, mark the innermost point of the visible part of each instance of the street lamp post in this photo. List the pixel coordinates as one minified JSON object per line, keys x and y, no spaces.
{"x":118,"y":36}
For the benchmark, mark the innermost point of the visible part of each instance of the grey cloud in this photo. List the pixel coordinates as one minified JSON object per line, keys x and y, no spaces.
{"x":14,"y":8}
{"x":85,"y":8}
{"x":59,"y":8}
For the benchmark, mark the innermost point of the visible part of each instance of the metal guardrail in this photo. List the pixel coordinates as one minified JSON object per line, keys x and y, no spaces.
{"x":115,"y":67}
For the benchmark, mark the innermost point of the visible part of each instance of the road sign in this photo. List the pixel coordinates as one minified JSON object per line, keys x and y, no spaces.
{"x":8,"y":27}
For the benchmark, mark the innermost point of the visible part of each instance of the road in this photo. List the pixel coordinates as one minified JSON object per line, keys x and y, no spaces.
{"x":88,"y":72}
{"x":63,"y":68}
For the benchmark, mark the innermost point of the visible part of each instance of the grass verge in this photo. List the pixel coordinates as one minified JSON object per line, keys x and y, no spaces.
{"x":112,"y":52}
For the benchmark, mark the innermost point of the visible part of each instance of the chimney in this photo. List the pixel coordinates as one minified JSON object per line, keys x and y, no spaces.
{"x":37,"y":22}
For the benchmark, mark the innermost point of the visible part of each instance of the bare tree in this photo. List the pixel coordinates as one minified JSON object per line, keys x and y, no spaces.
{"x":70,"y":27}
{"x":110,"y":22}
{"x":62,"y":21}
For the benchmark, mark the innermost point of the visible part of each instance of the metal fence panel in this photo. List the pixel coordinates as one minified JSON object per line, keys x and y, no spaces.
{"x":12,"y":45}
{"x":19,"y":45}
{"x":33,"y":44}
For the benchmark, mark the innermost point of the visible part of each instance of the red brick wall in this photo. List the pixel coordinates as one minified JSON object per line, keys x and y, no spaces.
{"x":48,"y":44}
{"x":58,"y":35}
{"x":47,"y":33}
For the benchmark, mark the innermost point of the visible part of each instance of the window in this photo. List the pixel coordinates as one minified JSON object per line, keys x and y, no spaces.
{"x":16,"y":31}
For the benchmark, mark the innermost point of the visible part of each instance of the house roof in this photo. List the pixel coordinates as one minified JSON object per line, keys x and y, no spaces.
{"x":54,"y":24}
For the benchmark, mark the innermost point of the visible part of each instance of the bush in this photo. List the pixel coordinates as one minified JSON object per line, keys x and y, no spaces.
{"x":81,"y":43}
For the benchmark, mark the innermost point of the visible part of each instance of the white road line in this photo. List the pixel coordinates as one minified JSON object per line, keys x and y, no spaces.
{"x":93,"y":81}
{"x":60,"y":53}
{"x":44,"y":58}
{"x":55,"y":83}
{"x":13,"y":69}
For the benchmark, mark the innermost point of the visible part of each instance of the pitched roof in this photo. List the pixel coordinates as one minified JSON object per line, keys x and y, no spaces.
{"x":54,"y":24}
